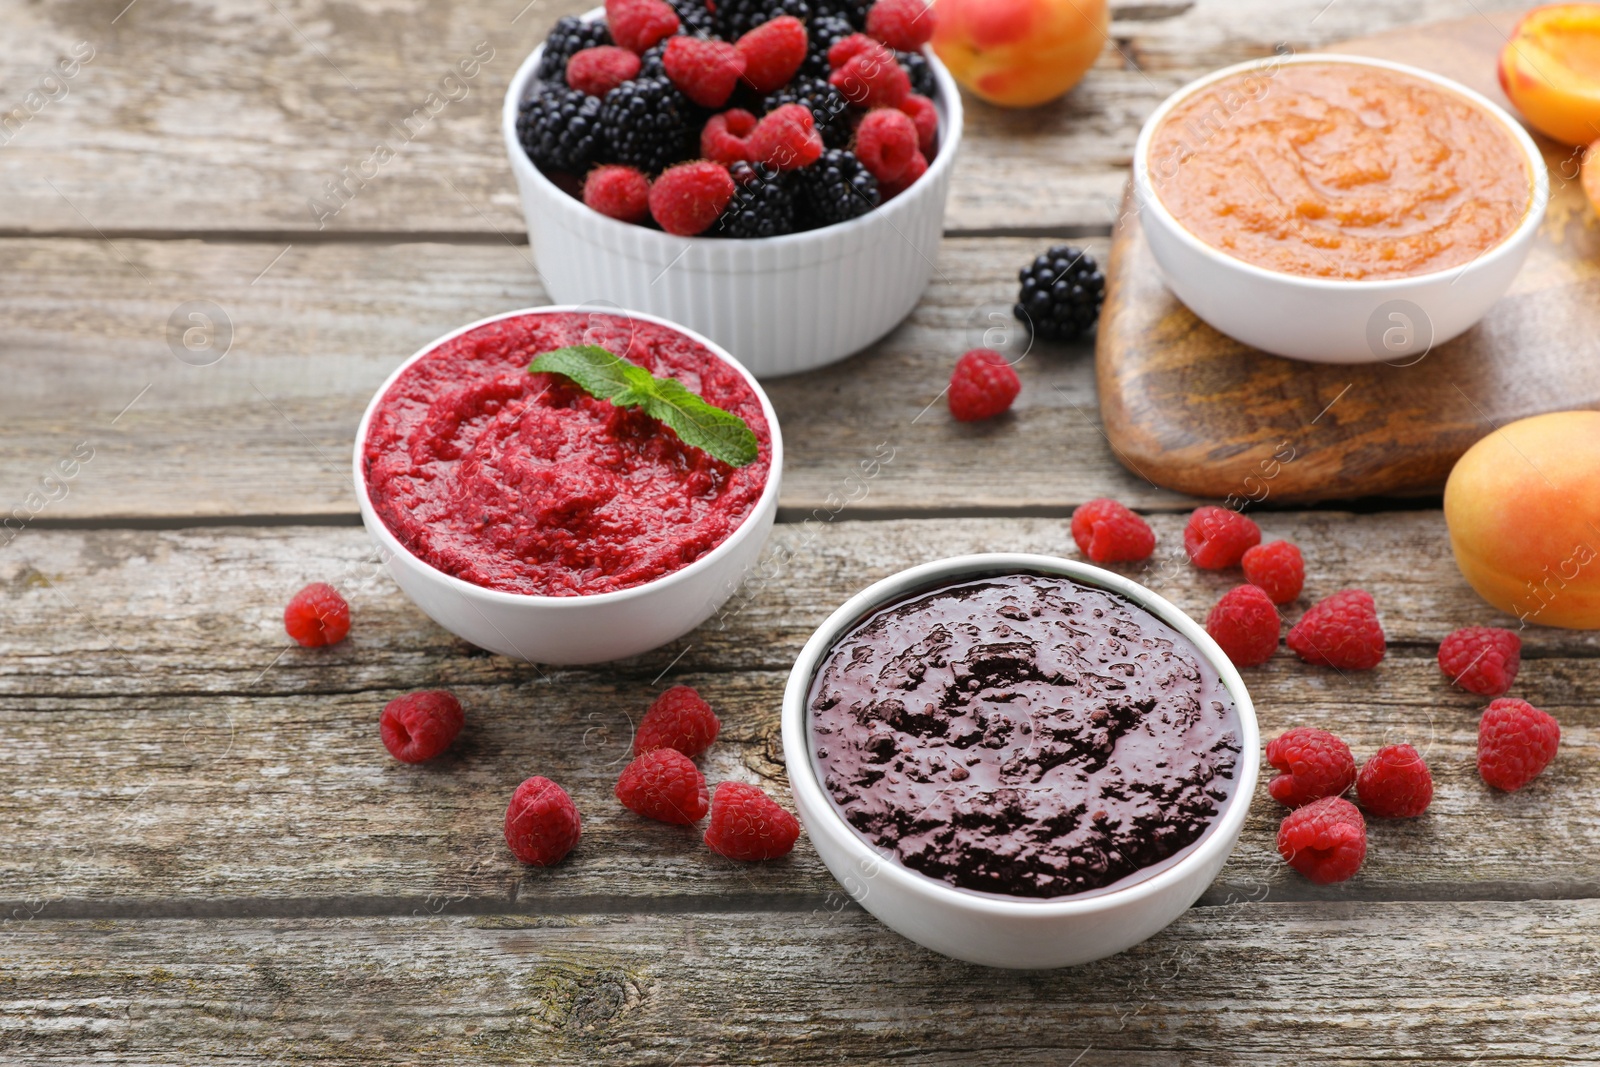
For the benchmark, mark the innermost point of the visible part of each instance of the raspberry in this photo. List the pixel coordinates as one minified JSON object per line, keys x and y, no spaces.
{"x":1107,"y":532}
{"x":746,"y":824}
{"x":1340,"y":631}
{"x":317,"y":615}
{"x":1315,"y":764}
{"x":706,"y":71}
{"x":1395,"y":783}
{"x":1275,"y":568}
{"x":419,"y":726}
{"x":925,"y":116}
{"x":847,"y":48}
{"x":917,"y":168}
{"x":620,"y":192}
{"x":1245,"y":624}
{"x":638,"y":24}
{"x":687,"y":199}
{"x":904,"y":25}
{"x":1216,"y":538}
{"x":786,"y":139}
{"x":872,"y":78}
{"x":679,"y":719}
{"x":773,"y":53}
{"x":597,"y":71}
{"x":1516,"y":741}
{"x":664,"y":785}
{"x":723,"y":138}
{"x":1325,"y":841}
{"x":542,"y":823}
{"x":886,"y":140}
{"x":1481,"y":659}
{"x":982,"y":386}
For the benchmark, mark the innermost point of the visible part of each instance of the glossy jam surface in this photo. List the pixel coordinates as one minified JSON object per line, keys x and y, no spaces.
{"x":1337,"y":170}
{"x":524,"y":483}
{"x":1023,"y":735}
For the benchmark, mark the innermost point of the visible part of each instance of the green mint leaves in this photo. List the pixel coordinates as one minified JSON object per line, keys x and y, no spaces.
{"x":698,"y":424}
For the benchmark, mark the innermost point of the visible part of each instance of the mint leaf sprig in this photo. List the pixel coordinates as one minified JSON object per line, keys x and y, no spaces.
{"x":607,"y":376}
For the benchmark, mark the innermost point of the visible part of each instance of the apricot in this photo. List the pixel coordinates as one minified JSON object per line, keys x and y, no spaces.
{"x":1019,"y":53}
{"x":1591,"y":175}
{"x":1523,"y":507}
{"x":1550,"y":69}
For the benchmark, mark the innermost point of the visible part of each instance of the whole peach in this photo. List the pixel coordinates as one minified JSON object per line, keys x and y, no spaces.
{"x":1550,"y":69}
{"x":1523,"y":507}
{"x":1018,"y":53}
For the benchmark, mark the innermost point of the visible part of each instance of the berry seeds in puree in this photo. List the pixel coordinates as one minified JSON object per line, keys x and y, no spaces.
{"x":524,"y":483}
{"x":1023,"y":735}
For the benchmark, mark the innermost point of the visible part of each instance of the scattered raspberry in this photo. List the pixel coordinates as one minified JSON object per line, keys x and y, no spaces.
{"x":1325,"y":841}
{"x":1315,"y":764}
{"x":746,"y":824}
{"x":904,"y":25}
{"x":847,"y":48}
{"x":1481,"y":659}
{"x":664,"y":785}
{"x":687,"y":199}
{"x":1395,"y":783}
{"x":1216,"y":538}
{"x":786,"y":138}
{"x":723,"y":138}
{"x":1340,"y":631}
{"x":317,"y":615}
{"x":886,"y":140}
{"x":773,"y":53}
{"x":679,"y":719}
{"x":873,"y":78}
{"x":925,"y":116}
{"x":542,"y":823}
{"x":620,"y":192}
{"x":982,"y":386}
{"x":1245,"y":624}
{"x":887,"y":191}
{"x":1516,"y":741}
{"x":599,"y":70}
{"x":1276,"y":568}
{"x":1107,"y":532}
{"x":707,"y":71}
{"x":419,"y":726}
{"x":638,"y":24}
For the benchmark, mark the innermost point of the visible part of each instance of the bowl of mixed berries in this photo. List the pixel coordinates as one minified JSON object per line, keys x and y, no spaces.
{"x":769,"y":173}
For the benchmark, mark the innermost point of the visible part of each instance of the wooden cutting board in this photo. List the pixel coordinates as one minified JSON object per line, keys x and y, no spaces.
{"x":1194,"y":411}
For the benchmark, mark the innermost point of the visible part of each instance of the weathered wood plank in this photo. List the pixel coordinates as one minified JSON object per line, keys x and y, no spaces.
{"x":251,"y":111}
{"x":1471,"y":983}
{"x":153,"y":720}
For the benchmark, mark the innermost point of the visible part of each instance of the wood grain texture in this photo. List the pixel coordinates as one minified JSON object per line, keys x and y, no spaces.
{"x":155,"y":720}
{"x":1197,"y":412}
{"x":1449,"y":984}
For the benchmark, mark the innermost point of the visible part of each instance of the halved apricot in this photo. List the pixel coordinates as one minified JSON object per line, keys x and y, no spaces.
{"x":1550,"y":69}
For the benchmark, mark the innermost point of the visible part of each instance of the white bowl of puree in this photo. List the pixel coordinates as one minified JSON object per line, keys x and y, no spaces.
{"x":1337,"y":209}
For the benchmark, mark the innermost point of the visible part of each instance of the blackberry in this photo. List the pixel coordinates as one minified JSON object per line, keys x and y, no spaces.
{"x":649,"y":124}
{"x":835,"y":188}
{"x":916,"y":65}
{"x":650,"y":62}
{"x":560,"y":129}
{"x":570,"y":36}
{"x":762,"y":204}
{"x":695,"y":16}
{"x":735,"y":18}
{"x":822,"y":34}
{"x":853,"y":10}
{"x":827,"y":105}
{"x":1061,"y":294}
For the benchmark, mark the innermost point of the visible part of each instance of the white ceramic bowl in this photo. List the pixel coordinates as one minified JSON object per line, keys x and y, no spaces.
{"x":565,"y":630}
{"x":984,"y":928}
{"x":1329,"y":320}
{"x":784,"y":304}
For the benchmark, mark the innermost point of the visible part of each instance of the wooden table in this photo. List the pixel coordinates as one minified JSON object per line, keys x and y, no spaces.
{"x":209,"y":858}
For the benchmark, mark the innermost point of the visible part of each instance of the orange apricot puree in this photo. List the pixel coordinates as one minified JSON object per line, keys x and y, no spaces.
{"x":1337,"y":170}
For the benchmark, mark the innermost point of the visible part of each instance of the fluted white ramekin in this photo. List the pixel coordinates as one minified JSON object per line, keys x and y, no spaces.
{"x":570,"y":630}
{"x":781,"y":304}
{"x":985,"y":928}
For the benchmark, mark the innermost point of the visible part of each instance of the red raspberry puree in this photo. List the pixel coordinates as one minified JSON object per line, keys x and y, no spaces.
{"x":525,"y":483}
{"x":1023,"y":735}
